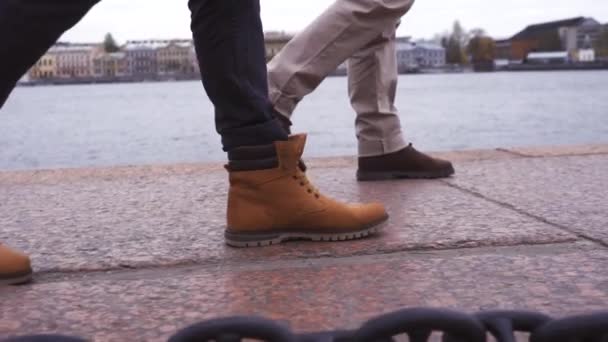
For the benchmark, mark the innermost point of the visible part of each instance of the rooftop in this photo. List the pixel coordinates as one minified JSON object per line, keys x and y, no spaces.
{"x":534,"y":29}
{"x":73,"y":48}
{"x":152,"y":44}
{"x":409,"y":46}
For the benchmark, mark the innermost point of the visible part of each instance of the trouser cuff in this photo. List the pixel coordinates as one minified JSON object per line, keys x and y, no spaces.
{"x":373,"y":148}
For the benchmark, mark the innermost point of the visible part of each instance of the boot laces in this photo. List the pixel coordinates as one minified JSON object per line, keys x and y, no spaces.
{"x":301,"y":178}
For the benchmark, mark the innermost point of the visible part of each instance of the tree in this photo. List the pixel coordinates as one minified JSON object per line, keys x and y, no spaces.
{"x":482,"y":50}
{"x":454,"y":45}
{"x":601,"y":44}
{"x":477,"y":32}
{"x":441,"y":38}
{"x":459,"y":33}
{"x":109,"y":44}
{"x":454,"y":52}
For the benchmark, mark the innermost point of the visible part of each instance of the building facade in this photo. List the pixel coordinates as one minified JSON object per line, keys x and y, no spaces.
{"x":45,"y":68}
{"x":568,"y":35}
{"x":194,"y":61}
{"x":559,"y":57}
{"x":274,"y":43}
{"x":73,"y":60}
{"x":137,"y":60}
{"x":585,"y":55}
{"x":411,"y":55}
{"x":141,"y":59}
{"x":110,"y":65}
{"x":503,"y":49}
{"x":174,"y":58}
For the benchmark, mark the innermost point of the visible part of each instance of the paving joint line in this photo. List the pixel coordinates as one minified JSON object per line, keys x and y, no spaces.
{"x":514,"y":153}
{"x":531,"y":156}
{"x":53,"y":276}
{"x":527,"y":214}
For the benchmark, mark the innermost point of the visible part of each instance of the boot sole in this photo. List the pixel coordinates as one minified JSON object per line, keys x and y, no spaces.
{"x":244,"y":240}
{"x":16,"y":280}
{"x":365,"y":176}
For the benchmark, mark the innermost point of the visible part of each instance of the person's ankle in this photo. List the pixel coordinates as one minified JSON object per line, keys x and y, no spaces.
{"x":284,"y":121}
{"x":250,"y":158}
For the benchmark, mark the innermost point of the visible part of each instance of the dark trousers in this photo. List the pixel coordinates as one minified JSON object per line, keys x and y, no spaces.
{"x":229,"y":43}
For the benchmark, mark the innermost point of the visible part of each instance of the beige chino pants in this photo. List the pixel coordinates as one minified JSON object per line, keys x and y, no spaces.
{"x":361,"y":32}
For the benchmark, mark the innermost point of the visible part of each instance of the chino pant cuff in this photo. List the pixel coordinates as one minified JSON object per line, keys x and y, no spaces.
{"x":282,"y":103}
{"x":374,"y":148}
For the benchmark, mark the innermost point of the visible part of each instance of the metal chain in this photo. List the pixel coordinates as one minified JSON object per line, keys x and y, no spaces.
{"x":418,"y":324}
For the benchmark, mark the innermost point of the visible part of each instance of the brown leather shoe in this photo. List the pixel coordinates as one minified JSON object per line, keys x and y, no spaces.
{"x":406,"y":163}
{"x":15,"y":267}
{"x":270,"y":206}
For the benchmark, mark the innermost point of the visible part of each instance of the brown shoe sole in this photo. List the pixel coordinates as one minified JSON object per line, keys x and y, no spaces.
{"x":366,"y":176}
{"x":244,"y":240}
{"x":16,"y":279}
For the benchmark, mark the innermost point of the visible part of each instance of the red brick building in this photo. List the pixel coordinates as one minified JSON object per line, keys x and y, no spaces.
{"x":562,"y":35}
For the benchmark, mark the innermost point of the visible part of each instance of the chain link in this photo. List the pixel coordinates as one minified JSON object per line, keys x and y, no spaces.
{"x":418,"y":324}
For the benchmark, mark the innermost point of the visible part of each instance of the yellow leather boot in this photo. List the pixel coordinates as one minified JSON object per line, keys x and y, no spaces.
{"x":273,"y":205}
{"x":14,"y":267}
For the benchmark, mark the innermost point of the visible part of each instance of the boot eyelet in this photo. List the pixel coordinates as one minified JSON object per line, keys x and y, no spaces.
{"x":302,"y":184}
{"x":309,"y":191}
{"x":295,"y":177}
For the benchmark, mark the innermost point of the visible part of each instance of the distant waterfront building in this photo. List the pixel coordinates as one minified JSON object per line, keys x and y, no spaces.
{"x":274,"y":43}
{"x":585,"y":55}
{"x":568,"y":35}
{"x":412,"y":55}
{"x":503,"y":49}
{"x":45,"y":68}
{"x":194,"y":61}
{"x":581,"y":36}
{"x":110,"y":65}
{"x":73,"y":60}
{"x":552,"y":57}
{"x":174,"y":58}
{"x":141,"y":58}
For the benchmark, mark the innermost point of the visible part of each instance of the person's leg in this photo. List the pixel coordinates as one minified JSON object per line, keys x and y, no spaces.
{"x":372,"y":86}
{"x":343,"y":29}
{"x":270,"y":199}
{"x":230,"y":47}
{"x":28,"y":28}
{"x":383,"y":152}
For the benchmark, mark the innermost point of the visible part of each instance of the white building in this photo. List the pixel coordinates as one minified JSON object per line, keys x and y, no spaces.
{"x":109,"y":65}
{"x":580,"y":33}
{"x":586,"y":55}
{"x":419,"y":55}
{"x":73,"y":60}
{"x":554,"y":57}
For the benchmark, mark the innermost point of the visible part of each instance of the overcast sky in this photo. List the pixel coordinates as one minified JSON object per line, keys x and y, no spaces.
{"x":139,"y":19}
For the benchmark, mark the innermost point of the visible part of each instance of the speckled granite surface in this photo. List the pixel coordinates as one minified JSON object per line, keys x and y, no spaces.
{"x":136,"y":253}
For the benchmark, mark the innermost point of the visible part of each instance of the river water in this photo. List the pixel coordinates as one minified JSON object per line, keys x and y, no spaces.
{"x":160,"y":123}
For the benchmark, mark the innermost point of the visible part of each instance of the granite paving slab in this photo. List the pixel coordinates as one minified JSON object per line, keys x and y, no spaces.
{"x":319,"y":294}
{"x":569,"y":191}
{"x":136,"y":218}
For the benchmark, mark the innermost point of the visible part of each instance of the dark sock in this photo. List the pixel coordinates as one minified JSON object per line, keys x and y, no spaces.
{"x":250,"y":158}
{"x":284,"y":121}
